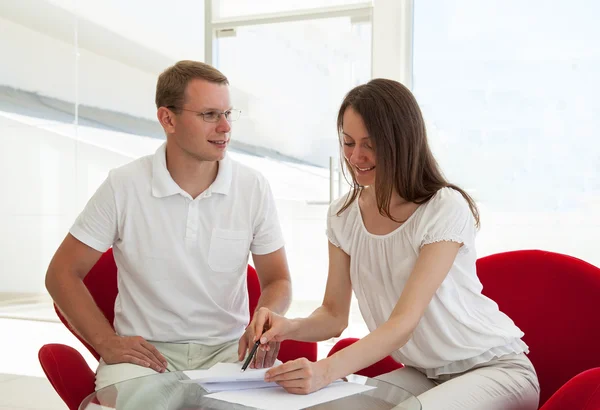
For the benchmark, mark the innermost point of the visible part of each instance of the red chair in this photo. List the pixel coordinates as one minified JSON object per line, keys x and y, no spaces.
{"x":385,"y":365}
{"x":555,"y":300}
{"x":69,"y":373}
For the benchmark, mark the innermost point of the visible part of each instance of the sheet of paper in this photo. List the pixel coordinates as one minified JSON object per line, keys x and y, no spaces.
{"x":224,"y":372}
{"x":276,"y":398}
{"x":226,"y":386}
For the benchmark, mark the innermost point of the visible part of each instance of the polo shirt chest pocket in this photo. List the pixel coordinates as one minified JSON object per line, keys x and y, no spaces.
{"x":228,"y":250}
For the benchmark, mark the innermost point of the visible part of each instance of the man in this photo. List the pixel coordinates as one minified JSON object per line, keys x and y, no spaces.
{"x":181,"y":223}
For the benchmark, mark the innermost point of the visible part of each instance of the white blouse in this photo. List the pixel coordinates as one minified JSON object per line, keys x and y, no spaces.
{"x":461,"y":327}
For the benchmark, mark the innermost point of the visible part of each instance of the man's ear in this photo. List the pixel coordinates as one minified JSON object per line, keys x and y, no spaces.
{"x":166,"y":118}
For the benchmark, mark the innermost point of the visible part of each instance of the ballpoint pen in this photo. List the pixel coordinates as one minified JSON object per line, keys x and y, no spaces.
{"x":251,"y":355}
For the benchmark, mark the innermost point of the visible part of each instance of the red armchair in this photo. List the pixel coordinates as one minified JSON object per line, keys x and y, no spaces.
{"x":385,"y":365}
{"x":68,"y":372}
{"x":555,"y":300}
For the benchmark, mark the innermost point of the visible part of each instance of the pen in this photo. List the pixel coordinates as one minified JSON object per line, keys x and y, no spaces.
{"x":251,"y":355}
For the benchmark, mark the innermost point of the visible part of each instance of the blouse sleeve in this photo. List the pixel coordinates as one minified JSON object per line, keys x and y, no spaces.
{"x":450,"y":220}
{"x":331,"y":224}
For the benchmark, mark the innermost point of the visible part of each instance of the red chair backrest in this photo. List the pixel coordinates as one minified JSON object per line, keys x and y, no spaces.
{"x":253,"y":290}
{"x":383,"y":366}
{"x":101,"y":282}
{"x":555,"y":300}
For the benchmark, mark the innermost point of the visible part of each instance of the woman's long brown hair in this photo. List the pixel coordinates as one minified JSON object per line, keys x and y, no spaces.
{"x":405,"y":164}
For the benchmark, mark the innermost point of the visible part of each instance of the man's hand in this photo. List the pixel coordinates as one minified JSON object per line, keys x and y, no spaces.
{"x":265,"y":355}
{"x":272,"y":329}
{"x":132,"y":349}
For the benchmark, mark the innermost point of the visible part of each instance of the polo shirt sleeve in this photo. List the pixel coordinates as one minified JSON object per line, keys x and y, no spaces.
{"x":96,"y":225}
{"x":267,"y":235}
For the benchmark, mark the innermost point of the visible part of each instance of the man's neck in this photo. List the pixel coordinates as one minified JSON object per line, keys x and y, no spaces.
{"x":192,"y":175}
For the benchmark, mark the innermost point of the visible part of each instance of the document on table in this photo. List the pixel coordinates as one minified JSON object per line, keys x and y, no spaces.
{"x":228,"y":376}
{"x":276,"y":398}
{"x":227,"y":386}
{"x":225,"y":372}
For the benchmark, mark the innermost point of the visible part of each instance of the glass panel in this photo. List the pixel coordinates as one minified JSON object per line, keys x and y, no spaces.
{"x":235,"y":8}
{"x":509,"y":91}
{"x":37,"y":116}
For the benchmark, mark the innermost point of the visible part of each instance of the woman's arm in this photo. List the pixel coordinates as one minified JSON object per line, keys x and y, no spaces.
{"x":331,"y":318}
{"x":432,"y":266}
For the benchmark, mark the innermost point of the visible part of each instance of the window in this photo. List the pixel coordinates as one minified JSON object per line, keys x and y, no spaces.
{"x":289,"y":82}
{"x":509,"y":92}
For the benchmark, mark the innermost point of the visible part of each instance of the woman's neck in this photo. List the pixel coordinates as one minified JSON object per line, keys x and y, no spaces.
{"x":370,"y":195}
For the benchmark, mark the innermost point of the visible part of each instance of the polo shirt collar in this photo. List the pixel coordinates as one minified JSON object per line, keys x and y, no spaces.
{"x":163,"y":184}
{"x":222,"y":182}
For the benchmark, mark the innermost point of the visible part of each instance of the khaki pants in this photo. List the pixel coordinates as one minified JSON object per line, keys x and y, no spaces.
{"x":505,"y":383}
{"x":180,"y":356}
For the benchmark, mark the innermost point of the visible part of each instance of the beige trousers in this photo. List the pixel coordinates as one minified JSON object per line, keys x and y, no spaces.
{"x":180,"y":356}
{"x":505,"y":383}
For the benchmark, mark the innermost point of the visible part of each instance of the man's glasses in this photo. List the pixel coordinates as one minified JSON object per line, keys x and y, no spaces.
{"x":213,"y":116}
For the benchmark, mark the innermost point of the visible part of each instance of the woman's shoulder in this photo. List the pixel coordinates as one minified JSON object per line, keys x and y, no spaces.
{"x":341,"y":220}
{"x":448,"y":199}
{"x":446,"y":208}
{"x":340,"y":203}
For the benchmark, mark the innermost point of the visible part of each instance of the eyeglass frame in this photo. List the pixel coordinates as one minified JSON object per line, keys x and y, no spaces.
{"x":225,"y":113}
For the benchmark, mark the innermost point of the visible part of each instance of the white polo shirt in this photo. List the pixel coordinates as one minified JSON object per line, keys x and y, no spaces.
{"x":181,"y":261}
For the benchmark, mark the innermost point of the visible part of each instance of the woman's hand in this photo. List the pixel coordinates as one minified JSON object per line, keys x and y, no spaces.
{"x":270,"y":326}
{"x":300,"y":376}
{"x":274,"y":327}
{"x":265,"y":356}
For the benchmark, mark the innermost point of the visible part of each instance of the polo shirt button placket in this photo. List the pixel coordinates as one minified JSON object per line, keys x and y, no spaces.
{"x":192,"y":221}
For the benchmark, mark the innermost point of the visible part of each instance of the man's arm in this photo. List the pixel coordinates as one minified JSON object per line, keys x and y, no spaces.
{"x":64,"y":281}
{"x":276,"y":294}
{"x":275,"y":283}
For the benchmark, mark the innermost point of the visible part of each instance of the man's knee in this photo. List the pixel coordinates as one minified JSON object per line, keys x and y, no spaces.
{"x":108,"y":374}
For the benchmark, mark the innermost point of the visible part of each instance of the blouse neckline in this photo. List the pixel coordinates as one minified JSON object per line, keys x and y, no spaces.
{"x":387,"y":235}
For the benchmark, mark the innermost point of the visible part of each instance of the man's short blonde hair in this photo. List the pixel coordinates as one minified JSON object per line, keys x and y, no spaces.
{"x":171,"y":85}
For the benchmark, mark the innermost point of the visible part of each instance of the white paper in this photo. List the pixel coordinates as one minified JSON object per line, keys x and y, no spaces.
{"x":224,"y":372}
{"x":276,"y":398}
{"x":226,"y":386}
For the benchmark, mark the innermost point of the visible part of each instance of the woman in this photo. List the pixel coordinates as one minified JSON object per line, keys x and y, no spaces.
{"x":404,"y":240}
